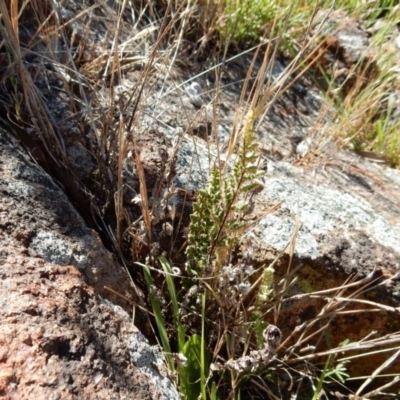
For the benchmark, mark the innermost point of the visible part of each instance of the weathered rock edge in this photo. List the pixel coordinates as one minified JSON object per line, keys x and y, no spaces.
{"x":58,"y":338}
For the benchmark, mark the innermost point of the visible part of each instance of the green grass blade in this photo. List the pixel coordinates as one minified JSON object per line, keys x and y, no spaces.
{"x":203,"y":350}
{"x":160,"y":322}
{"x":174,"y":301}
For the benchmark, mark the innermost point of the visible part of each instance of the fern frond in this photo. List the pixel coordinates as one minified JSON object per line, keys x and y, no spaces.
{"x":217,"y":218}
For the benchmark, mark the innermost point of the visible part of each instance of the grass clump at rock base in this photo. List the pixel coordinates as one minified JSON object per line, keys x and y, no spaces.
{"x":365,"y":118}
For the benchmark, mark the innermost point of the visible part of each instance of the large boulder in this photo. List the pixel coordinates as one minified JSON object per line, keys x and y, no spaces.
{"x":59,"y":338}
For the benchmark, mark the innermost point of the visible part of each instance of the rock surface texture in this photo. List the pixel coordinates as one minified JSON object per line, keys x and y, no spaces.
{"x":58,"y":338}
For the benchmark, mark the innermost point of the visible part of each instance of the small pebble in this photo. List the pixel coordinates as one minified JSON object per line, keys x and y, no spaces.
{"x":194,"y":91}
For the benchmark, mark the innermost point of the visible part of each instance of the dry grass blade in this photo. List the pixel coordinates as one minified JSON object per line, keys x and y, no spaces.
{"x":378,"y":391}
{"x":119,"y":201}
{"x":291,"y":250}
{"x":116,"y":69}
{"x":366,"y":281}
{"x":386,"y":364}
{"x":144,"y":204}
{"x":32,"y":98}
{"x":81,"y":14}
{"x":14,"y":18}
{"x":308,"y":332}
{"x":356,"y":346}
{"x":372,"y":303}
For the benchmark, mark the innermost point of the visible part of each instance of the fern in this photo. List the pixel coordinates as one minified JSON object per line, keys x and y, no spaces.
{"x":216,"y":221}
{"x":205,"y":222}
